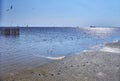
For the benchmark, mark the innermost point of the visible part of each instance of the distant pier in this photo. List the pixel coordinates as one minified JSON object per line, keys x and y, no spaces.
{"x":10,"y":31}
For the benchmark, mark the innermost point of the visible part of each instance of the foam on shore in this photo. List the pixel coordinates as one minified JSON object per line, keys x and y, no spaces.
{"x":55,"y":58}
{"x":52,"y":58}
{"x":110,"y":49}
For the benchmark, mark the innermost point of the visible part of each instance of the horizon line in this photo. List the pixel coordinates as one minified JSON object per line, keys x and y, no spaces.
{"x":92,"y":26}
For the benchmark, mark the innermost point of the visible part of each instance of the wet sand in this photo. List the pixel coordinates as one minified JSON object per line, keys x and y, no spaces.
{"x":87,"y":66}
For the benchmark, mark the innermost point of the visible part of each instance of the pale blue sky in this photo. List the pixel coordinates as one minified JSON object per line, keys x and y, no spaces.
{"x":61,"y":13}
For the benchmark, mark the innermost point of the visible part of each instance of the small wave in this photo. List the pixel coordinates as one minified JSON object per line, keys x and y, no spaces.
{"x":115,"y":41}
{"x":52,"y":58}
{"x":85,"y":50}
{"x":110,"y":49}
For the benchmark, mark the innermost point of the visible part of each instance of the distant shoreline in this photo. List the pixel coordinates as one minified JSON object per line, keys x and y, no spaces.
{"x":59,"y":27}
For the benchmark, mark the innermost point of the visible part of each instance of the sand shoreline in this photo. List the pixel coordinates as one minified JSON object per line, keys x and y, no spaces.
{"x":87,"y":66}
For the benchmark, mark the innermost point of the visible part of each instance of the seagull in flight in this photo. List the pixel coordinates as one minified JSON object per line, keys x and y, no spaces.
{"x":11,"y":7}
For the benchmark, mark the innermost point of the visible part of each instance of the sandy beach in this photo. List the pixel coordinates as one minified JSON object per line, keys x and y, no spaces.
{"x":102,"y":65}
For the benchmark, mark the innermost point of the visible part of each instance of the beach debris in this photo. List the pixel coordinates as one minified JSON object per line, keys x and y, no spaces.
{"x":65,"y":66}
{"x":83,"y":64}
{"x":101,"y":74}
{"x":117,"y":65}
{"x":39,"y":74}
{"x":71,"y":66}
{"x":58,"y":73}
{"x":43,"y":72}
{"x":52,"y":74}
{"x":31,"y":71}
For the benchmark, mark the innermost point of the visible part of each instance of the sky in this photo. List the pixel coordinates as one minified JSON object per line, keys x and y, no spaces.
{"x":82,"y":13}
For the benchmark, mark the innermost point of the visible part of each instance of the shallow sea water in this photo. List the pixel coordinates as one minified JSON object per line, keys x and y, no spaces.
{"x":36,"y":46}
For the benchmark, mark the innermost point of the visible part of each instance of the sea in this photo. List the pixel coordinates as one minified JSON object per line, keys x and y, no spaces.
{"x":35,"y":46}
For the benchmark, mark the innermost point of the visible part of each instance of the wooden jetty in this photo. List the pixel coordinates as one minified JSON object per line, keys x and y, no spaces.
{"x":10,"y":31}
